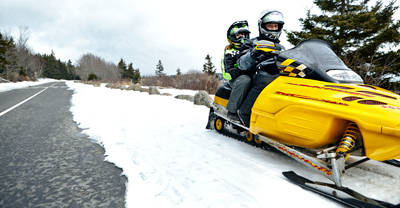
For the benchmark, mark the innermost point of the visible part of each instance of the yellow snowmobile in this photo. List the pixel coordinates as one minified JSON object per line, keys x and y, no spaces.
{"x":318,"y":112}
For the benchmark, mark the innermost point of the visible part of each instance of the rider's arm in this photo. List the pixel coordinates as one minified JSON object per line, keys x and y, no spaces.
{"x":246,"y":61}
{"x":230,"y":69}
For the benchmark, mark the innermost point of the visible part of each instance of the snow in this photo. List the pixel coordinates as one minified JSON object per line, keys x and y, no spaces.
{"x":171,"y":160}
{"x":11,"y":85}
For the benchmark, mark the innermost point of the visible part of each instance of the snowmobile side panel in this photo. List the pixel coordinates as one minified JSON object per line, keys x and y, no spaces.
{"x":311,"y":114}
{"x":298,"y":124}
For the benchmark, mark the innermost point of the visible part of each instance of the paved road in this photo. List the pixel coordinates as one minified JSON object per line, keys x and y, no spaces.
{"x":45,"y":161}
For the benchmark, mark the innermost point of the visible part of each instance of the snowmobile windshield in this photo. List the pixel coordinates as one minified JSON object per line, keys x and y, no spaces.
{"x":345,"y":76}
{"x":321,"y":62}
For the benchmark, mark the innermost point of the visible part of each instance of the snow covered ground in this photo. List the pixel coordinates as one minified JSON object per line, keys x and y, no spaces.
{"x":11,"y":85}
{"x":171,"y":160}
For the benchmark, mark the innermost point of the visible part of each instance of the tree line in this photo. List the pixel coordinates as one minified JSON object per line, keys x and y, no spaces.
{"x":208,"y":68}
{"x":193,"y":79}
{"x":19,"y":63}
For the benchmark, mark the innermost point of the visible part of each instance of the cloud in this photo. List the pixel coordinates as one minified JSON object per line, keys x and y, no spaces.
{"x":180,"y":33}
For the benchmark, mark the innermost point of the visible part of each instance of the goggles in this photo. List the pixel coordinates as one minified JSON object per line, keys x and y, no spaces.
{"x":240,"y":28}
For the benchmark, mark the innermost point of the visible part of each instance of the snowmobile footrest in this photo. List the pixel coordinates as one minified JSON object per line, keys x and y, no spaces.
{"x":343,"y":195}
{"x":356,"y":163}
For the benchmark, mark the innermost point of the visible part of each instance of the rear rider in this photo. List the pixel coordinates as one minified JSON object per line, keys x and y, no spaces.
{"x":237,"y":34}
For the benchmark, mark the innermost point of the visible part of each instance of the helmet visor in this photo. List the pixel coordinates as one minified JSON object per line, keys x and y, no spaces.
{"x":273,"y":17}
{"x":242,"y":28}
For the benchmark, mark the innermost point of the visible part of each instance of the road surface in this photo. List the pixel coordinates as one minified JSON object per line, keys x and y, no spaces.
{"x":45,"y":161}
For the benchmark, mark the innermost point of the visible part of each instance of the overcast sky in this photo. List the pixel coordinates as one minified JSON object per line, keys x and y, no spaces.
{"x":180,"y":33}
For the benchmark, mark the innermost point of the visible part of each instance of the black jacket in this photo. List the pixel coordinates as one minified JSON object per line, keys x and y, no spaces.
{"x":229,"y":65}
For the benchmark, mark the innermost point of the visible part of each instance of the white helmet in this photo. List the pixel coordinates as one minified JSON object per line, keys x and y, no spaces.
{"x":270,"y":16}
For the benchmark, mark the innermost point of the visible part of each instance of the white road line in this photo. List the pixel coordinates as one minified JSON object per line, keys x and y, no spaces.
{"x":8,"y":110}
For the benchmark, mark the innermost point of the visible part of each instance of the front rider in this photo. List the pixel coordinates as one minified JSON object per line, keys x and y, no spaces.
{"x":270,"y":24}
{"x":237,"y":34}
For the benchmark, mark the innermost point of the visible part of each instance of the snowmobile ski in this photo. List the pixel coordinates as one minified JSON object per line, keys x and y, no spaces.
{"x":392,"y":162}
{"x":343,"y":195}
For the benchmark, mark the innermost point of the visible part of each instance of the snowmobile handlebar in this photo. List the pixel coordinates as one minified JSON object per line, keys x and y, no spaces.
{"x":267,"y":46}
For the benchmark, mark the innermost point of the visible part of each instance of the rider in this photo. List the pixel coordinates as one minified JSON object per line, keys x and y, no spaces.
{"x":237,"y":34}
{"x":270,"y":24}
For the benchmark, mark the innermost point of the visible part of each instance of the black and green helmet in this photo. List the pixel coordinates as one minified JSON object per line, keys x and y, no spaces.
{"x":235,"y":28}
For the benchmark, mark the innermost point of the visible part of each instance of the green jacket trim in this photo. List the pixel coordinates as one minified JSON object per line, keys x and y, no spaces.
{"x":226,"y":75}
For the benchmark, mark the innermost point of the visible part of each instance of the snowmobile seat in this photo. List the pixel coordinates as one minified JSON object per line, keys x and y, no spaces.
{"x":223,"y":93}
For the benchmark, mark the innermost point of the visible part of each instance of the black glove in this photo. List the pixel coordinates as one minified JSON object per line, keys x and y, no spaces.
{"x":254,"y":53}
{"x":265,"y":58}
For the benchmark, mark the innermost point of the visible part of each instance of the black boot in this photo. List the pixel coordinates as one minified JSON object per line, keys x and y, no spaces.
{"x":244,"y":118}
{"x":233,"y":117}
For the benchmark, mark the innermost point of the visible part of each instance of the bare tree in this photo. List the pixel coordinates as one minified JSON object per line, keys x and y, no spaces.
{"x":40,"y":66}
{"x":193,"y":80}
{"x":23,"y":38}
{"x":26,"y":58}
{"x":369,"y":70}
{"x":89,"y":63}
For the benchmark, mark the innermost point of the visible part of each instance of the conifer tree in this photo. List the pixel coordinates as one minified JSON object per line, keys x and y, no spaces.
{"x":122,"y":67}
{"x":128,"y":74}
{"x":160,"y":69}
{"x":9,"y":63}
{"x":136,"y":76}
{"x":52,"y":66}
{"x":358,"y":34}
{"x":178,"y":72}
{"x":3,"y":50}
{"x":92,"y":76}
{"x":62,"y":68}
{"x":209,"y":67}
{"x":71,"y":70}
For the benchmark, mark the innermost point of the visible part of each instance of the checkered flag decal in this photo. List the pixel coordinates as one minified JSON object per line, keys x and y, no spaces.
{"x":293,"y":68}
